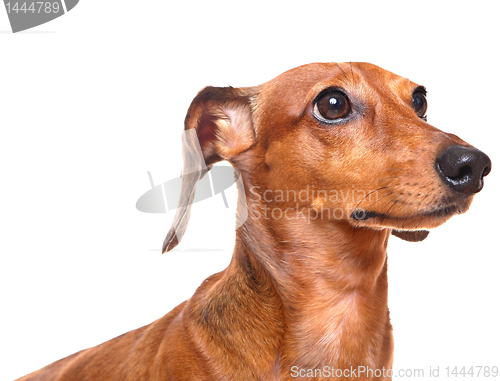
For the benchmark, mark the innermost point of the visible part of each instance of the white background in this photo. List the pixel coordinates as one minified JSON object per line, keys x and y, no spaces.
{"x":91,"y":101}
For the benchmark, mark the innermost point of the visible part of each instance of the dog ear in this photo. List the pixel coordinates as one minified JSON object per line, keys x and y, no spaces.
{"x":411,"y":236}
{"x":218,"y":126}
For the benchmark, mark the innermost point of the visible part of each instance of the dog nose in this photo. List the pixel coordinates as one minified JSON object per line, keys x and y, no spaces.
{"x":463,"y":168}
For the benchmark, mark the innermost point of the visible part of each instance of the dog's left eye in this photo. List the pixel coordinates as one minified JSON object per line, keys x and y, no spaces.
{"x":331,"y":106}
{"x":420,"y":103}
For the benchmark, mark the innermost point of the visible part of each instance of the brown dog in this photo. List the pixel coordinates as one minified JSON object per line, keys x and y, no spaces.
{"x":333,"y":158}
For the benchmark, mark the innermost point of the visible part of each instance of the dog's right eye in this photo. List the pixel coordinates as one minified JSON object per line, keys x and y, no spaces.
{"x":331,"y":106}
{"x":420,"y":103}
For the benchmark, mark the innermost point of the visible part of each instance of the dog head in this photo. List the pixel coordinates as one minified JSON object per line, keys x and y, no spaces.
{"x":352,"y":137}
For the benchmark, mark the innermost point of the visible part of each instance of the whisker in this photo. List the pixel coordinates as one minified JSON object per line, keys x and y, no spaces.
{"x":422,"y":200}
{"x":373,"y":235}
{"x":395,"y":202}
{"x":418,"y":206}
{"x":342,"y":70}
{"x":406,"y":218}
{"x":376,"y":190}
{"x":383,"y":178}
{"x":352,"y":75}
{"x":262,"y":162}
{"x":388,"y":194}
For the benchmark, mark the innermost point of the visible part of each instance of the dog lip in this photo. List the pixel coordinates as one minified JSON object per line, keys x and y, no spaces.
{"x":363,"y":215}
{"x":444,"y":211}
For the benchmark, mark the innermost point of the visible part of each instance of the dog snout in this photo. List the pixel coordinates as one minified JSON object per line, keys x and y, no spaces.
{"x":463,"y":168}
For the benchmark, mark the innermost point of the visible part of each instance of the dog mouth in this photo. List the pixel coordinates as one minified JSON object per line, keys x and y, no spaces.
{"x":441,"y":212}
{"x":412,"y":227}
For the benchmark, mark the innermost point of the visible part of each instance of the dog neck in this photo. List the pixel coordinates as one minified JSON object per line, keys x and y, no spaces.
{"x":331,"y":279}
{"x":309,"y":294}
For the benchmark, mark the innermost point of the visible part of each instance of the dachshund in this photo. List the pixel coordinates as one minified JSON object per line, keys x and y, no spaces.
{"x":332,"y":159}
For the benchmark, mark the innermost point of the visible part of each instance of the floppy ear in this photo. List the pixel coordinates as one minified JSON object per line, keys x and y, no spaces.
{"x":218,"y":126}
{"x":411,"y":236}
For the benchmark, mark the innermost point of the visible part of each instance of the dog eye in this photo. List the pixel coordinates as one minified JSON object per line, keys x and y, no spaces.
{"x":331,"y":106}
{"x":420,"y":103}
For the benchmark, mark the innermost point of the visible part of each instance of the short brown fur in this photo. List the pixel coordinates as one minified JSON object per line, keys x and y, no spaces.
{"x":300,"y":291}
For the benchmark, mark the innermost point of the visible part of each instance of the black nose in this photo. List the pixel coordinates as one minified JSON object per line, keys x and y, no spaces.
{"x":463,"y":168}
